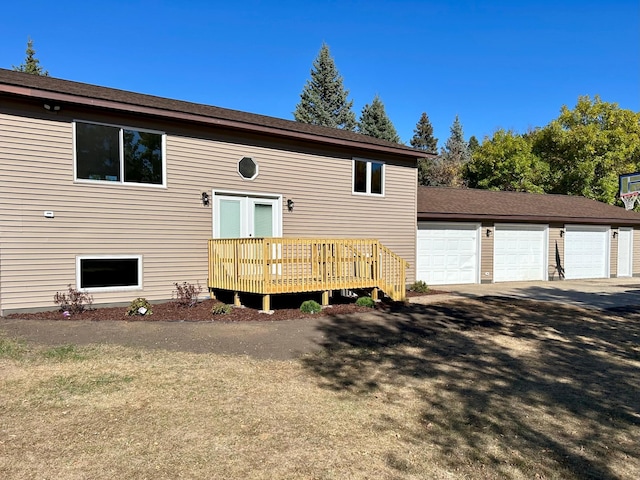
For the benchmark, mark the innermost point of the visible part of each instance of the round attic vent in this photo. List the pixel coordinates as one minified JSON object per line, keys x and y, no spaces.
{"x":248,"y":168}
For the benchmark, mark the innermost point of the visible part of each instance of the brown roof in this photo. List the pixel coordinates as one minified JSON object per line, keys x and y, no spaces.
{"x":54,"y":89}
{"x":439,"y":203}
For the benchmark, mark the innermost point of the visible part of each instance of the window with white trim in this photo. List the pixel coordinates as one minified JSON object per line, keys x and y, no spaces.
{"x":109,"y":272}
{"x":368,"y":177}
{"x":108,"y":153}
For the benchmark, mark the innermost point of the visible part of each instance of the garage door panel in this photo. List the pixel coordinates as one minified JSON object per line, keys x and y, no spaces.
{"x":520,"y":252}
{"x":447,"y":253}
{"x":586,"y":252}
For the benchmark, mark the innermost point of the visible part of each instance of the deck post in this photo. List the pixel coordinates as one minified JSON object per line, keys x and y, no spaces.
{"x":236,"y":299}
{"x":212,"y":294}
{"x":266,"y":303}
{"x":374,"y":294}
{"x":325,"y":298}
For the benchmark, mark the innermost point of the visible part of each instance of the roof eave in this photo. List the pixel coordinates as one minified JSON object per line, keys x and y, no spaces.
{"x":474,"y":217}
{"x":36,"y":93}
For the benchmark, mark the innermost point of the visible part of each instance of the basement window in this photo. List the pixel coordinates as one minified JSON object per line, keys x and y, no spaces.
{"x":105,"y":273}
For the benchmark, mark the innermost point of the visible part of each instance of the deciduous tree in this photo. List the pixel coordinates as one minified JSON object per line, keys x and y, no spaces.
{"x":323,"y":100}
{"x":588,"y":147}
{"x":506,"y":162}
{"x":31,"y":63}
{"x":375,"y":122}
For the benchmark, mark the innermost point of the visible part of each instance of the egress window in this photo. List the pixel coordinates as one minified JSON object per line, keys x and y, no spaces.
{"x":368,"y":177}
{"x":109,"y":273}
{"x":115,"y":154}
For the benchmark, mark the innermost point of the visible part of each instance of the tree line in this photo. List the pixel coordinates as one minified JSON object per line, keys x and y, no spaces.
{"x":582,"y":152}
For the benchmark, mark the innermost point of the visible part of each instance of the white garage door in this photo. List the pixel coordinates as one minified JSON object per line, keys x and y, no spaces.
{"x":448,"y":253}
{"x":586,"y":252}
{"x":520,"y":253}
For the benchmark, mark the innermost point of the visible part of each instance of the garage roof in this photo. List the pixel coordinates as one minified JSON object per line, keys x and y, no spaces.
{"x":440,"y":203}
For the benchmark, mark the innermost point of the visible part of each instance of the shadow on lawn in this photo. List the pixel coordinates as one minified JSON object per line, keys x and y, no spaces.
{"x":541,"y":389}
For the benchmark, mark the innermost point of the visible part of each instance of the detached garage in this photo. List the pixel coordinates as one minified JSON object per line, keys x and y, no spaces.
{"x":483,"y":236}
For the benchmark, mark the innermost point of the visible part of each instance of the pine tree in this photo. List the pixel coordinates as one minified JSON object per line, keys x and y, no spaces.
{"x":375,"y":123}
{"x":423,"y":138}
{"x":473,"y":144}
{"x":323,"y":100}
{"x":31,"y":63}
{"x":448,"y":168}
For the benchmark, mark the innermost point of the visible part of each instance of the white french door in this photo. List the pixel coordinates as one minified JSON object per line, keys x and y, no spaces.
{"x":247,"y":216}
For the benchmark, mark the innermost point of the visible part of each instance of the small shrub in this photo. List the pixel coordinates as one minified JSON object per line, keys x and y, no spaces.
{"x":419,"y":287}
{"x":366,"y":302}
{"x":186,"y":294}
{"x":221,"y":309}
{"x":310,"y":306}
{"x":73,"y":301}
{"x":139,"y":306}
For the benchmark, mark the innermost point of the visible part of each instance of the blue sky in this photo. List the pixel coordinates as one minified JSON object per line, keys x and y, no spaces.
{"x":496,"y":64}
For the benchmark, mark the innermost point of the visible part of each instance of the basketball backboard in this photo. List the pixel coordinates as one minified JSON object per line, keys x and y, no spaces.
{"x":629,"y":189}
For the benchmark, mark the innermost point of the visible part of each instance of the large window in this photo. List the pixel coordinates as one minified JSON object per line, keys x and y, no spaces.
{"x":368,"y":177}
{"x":114,"y":154}
{"x":109,"y":273}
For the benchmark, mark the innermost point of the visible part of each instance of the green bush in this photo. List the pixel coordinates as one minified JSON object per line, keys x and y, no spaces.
{"x":366,"y":302}
{"x":310,"y":306}
{"x":221,"y":309}
{"x":139,"y":306}
{"x":419,"y":287}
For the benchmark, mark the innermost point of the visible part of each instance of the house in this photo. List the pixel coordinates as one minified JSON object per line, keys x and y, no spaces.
{"x":122,"y":194}
{"x":482,"y":236}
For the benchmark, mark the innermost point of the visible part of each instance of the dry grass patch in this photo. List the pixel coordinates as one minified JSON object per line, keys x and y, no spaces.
{"x":468,"y":390}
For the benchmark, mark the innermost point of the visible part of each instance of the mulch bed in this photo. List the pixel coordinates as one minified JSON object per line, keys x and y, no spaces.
{"x":285,"y":307}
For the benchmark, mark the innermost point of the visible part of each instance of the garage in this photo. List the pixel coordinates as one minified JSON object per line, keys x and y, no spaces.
{"x":520,"y":252}
{"x":448,"y":253}
{"x":586,"y":251}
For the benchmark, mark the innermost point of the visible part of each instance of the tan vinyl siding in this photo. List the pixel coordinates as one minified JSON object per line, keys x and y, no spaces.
{"x":169,"y":226}
{"x":613,"y":256}
{"x":555,"y":239}
{"x":486,"y":253}
{"x":319,"y":185}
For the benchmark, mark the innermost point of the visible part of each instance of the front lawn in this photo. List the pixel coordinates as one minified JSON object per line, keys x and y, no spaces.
{"x":465,"y":389}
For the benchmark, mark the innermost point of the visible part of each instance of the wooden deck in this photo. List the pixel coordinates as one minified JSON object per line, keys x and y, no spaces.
{"x":268,"y":266}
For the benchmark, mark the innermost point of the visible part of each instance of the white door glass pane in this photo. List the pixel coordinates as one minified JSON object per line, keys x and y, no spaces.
{"x":230,"y":219}
{"x":262,"y":220}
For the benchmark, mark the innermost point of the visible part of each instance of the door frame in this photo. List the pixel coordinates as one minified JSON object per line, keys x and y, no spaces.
{"x":630,"y":259}
{"x":250,"y":197}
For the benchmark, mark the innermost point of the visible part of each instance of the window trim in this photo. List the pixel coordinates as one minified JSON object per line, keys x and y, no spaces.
{"x":122,"y":288}
{"x":120,"y":182}
{"x":257,"y":165}
{"x":368,"y":179}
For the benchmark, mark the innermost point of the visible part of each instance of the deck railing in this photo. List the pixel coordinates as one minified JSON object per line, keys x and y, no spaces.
{"x":292,"y":265}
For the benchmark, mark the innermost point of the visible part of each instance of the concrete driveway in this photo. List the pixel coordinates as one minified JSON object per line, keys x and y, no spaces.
{"x":603,"y":293}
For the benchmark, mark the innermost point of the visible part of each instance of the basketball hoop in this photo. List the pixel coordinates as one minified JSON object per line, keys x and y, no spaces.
{"x":629,"y":200}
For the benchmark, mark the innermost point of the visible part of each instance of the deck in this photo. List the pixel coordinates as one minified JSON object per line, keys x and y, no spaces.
{"x":269,"y":266}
